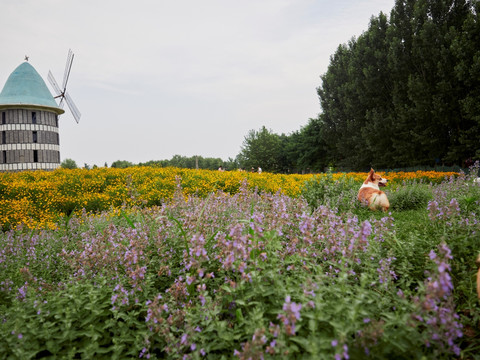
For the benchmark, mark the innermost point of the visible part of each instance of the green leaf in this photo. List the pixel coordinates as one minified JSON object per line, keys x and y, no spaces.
{"x":239,"y":315}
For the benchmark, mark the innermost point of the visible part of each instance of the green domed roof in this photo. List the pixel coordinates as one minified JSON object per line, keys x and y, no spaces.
{"x":25,"y":87}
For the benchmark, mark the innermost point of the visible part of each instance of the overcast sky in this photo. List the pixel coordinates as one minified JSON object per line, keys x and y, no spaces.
{"x":156,"y":78}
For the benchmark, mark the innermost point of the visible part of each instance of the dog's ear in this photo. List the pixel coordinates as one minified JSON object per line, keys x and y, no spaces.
{"x":370,"y":175}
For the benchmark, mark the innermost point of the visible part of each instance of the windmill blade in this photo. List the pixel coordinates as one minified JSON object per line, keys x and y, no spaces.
{"x":73,"y":108}
{"x":54,"y":84}
{"x":62,"y":92}
{"x":68,"y":67}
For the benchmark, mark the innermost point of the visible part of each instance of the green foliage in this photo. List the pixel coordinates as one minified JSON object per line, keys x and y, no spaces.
{"x":122,"y":164}
{"x":261,"y":149}
{"x":404,"y":93}
{"x":470,"y":203}
{"x":68,"y":164}
{"x":196,"y":162}
{"x":305,"y":150}
{"x":324,"y":191}
{"x":192,"y":162}
{"x":410,"y":197}
{"x":76,"y":321}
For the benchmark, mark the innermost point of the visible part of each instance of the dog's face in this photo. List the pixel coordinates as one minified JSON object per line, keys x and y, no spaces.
{"x":375,"y":178}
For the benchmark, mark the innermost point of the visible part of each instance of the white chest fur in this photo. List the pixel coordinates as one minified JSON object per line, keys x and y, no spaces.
{"x":370,"y":185}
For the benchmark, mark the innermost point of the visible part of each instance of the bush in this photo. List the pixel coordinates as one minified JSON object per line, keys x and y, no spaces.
{"x":77,"y":321}
{"x":68,"y":164}
{"x":324,"y":190}
{"x":411,"y":197}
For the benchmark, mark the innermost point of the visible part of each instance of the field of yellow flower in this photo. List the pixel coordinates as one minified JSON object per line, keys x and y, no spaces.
{"x":39,"y":199}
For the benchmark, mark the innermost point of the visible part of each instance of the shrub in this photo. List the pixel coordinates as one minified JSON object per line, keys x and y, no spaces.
{"x":464,"y":190}
{"x":76,"y":321}
{"x":410,"y":197}
{"x":324,"y":190}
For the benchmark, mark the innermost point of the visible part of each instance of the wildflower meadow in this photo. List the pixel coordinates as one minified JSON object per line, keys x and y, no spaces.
{"x":195,"y":264}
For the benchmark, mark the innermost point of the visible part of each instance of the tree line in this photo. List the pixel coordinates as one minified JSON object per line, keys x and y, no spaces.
{"x":404,"y":93}
{"x":188,"y":162}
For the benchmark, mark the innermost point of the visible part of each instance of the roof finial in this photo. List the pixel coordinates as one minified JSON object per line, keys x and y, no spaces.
{"x":26,"y":58}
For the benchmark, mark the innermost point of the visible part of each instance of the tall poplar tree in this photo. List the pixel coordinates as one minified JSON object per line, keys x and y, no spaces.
{"x":405,"y":92}
{"x":465,"y":48}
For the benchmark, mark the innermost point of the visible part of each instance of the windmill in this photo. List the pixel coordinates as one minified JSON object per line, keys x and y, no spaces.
{"x":62,"y":92}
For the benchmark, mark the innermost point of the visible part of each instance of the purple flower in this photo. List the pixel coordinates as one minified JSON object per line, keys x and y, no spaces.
{"x":345,"y":352}
{"x":437,"y":310}
{"x":142,"y":353}
{"x":290,"y":316}
{"x":22,"y":292}
{"x":366,"y":229}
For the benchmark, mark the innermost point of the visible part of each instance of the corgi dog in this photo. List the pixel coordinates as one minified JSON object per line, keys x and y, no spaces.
{"x":370,"y":193}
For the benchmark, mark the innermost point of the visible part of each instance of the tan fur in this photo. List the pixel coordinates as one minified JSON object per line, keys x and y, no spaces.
{"x":478,"y":283}
{"x":370,"y":193}
{"x":478,"y":276}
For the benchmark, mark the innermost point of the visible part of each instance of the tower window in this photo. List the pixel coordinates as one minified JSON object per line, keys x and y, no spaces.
{"x":4,"y":137}
{"x":34,"y":135}
{"x":4,"y":156}
{"x":34,"y":117}
{"x":56,"y":120}
{"x":4,"y":118}
{"x":35,"y":155}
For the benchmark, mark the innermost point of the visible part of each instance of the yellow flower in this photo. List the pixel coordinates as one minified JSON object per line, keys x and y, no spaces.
{"x":36,"y":199}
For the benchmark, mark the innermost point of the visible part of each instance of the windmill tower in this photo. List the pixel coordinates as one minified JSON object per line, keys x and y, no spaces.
{"x":29,"y":137}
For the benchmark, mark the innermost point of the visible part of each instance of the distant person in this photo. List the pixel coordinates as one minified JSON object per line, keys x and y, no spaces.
{"x":259,"y":170}
{"x":253,"y":169}
{"x":220,"y":168}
